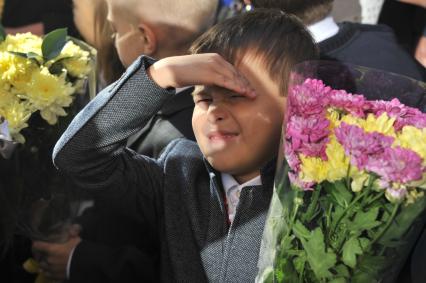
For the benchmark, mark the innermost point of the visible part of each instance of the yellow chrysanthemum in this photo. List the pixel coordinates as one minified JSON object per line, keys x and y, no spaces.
{"x":382,"y":124}
{"x":313,"y":169}
{"x":17,"y":114}
{"x":413,"y":138}
{"x":334,"y":117}
{"x":359,"y":179}
{"x":22,"y":42}
{"x":14,"y":70}
{"x":75,"y":60}
{"x":32,"y":266}
{"x":338,"y":162}
{"x":49,"y":94}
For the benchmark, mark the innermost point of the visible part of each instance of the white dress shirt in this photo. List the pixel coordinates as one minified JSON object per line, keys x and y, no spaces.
{"x":233,"y":190}
{"x":323,"y":29}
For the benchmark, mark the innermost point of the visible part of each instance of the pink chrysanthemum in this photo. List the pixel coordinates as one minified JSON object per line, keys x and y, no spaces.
{"x":291,"y":157}
{"x":404,"y":115}
{"x":398,"y":165}
{"x":351,"y":103}
{"x":310,"y":98}
{"x":295,"y":181}
{"x":309,"y":136}
{"x":359,"y":145}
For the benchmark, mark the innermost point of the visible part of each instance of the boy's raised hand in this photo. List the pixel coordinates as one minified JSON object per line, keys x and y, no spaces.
{"x":199,"y":69}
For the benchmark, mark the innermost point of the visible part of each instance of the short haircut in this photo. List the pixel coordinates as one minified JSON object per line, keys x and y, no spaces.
{"x":280,"y":40}
{"x":182,"y":20}
{"x":309,"y":11}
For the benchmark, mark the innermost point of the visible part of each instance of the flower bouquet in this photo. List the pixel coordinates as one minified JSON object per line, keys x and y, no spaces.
{"x":39,"y":82}
{"x":349,"y":197}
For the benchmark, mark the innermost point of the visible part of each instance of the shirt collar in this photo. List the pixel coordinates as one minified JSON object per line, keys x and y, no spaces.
{"x":228,"y":182}
{"x":323,"y":29}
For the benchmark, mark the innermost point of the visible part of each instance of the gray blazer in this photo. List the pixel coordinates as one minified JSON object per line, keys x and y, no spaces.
{"x":179,"y":196}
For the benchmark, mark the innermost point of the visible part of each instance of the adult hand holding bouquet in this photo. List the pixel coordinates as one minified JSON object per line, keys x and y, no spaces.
{"x":349,"y":192}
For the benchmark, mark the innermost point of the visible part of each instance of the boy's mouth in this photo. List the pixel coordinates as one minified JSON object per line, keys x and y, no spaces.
{"x":221,"y":135}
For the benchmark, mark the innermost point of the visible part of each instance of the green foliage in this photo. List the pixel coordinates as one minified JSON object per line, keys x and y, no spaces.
{"x":34,"y":57}
{"x":320,"y":260}
{"x":339,"y":193}
{"x":365,"y":220}
{"x":351,"y":249}
{"x":53,"y":43}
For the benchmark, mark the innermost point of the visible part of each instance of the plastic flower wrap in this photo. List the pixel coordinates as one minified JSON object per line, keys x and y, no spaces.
{"x":350,"y":186}
{"x":40,"y":75}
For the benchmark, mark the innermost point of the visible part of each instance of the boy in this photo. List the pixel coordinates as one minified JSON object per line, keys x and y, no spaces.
{"x":205,"y":202}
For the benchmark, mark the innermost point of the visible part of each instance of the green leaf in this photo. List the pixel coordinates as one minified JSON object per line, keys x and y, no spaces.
{"x":370,"y":269}
{"x":351,"y":249}
{"x":2,"y":33}
{"x":364,"y":242}
{"x":56,"y":68}
{"x":299,"y":263}
{"x":30,"y":55}
{"x":53,"y":43}
{"x":365,"y":220}
{"x":300,"y":231}
{"x":342,"y":271}
{"x":319,"y":260}
{"x":340,"y":194}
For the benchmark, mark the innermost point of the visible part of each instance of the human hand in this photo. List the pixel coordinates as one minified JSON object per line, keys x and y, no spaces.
{"x":421,"y":3}
{"x":53,"y":257}
{"x":199,"y":69}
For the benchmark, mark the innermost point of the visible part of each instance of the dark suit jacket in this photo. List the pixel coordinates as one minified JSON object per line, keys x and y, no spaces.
{"x":373,"y":46}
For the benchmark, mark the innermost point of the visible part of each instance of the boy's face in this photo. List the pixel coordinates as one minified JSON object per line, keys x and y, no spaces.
{"x":236,"y":134}
{"x":126,"y":34}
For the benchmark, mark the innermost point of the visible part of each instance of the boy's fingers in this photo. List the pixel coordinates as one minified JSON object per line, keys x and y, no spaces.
{"x":243,"y":85}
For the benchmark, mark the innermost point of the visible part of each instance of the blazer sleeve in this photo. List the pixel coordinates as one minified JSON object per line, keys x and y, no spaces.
{"x":92,"y":151}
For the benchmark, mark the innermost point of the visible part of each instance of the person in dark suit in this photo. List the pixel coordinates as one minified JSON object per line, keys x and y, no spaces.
{"x":373,"y":46}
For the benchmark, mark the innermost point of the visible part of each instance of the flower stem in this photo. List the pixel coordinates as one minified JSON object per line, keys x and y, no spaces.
{"x":388,"y":223}
{"x":312,"y":206}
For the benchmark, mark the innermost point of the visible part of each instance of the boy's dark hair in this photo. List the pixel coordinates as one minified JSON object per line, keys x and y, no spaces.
{"x":279,"y":39}
{"x":309,"y":11}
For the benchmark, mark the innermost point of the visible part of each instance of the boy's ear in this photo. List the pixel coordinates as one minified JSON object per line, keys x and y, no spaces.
{"x":148,"y":38}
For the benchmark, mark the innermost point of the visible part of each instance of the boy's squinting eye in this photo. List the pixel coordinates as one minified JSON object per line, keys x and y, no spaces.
{"x":235,"y":96}
{"x":203,"y":99}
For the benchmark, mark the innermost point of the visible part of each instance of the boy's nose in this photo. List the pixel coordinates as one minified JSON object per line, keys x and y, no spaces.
{"x":216,"y":112}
